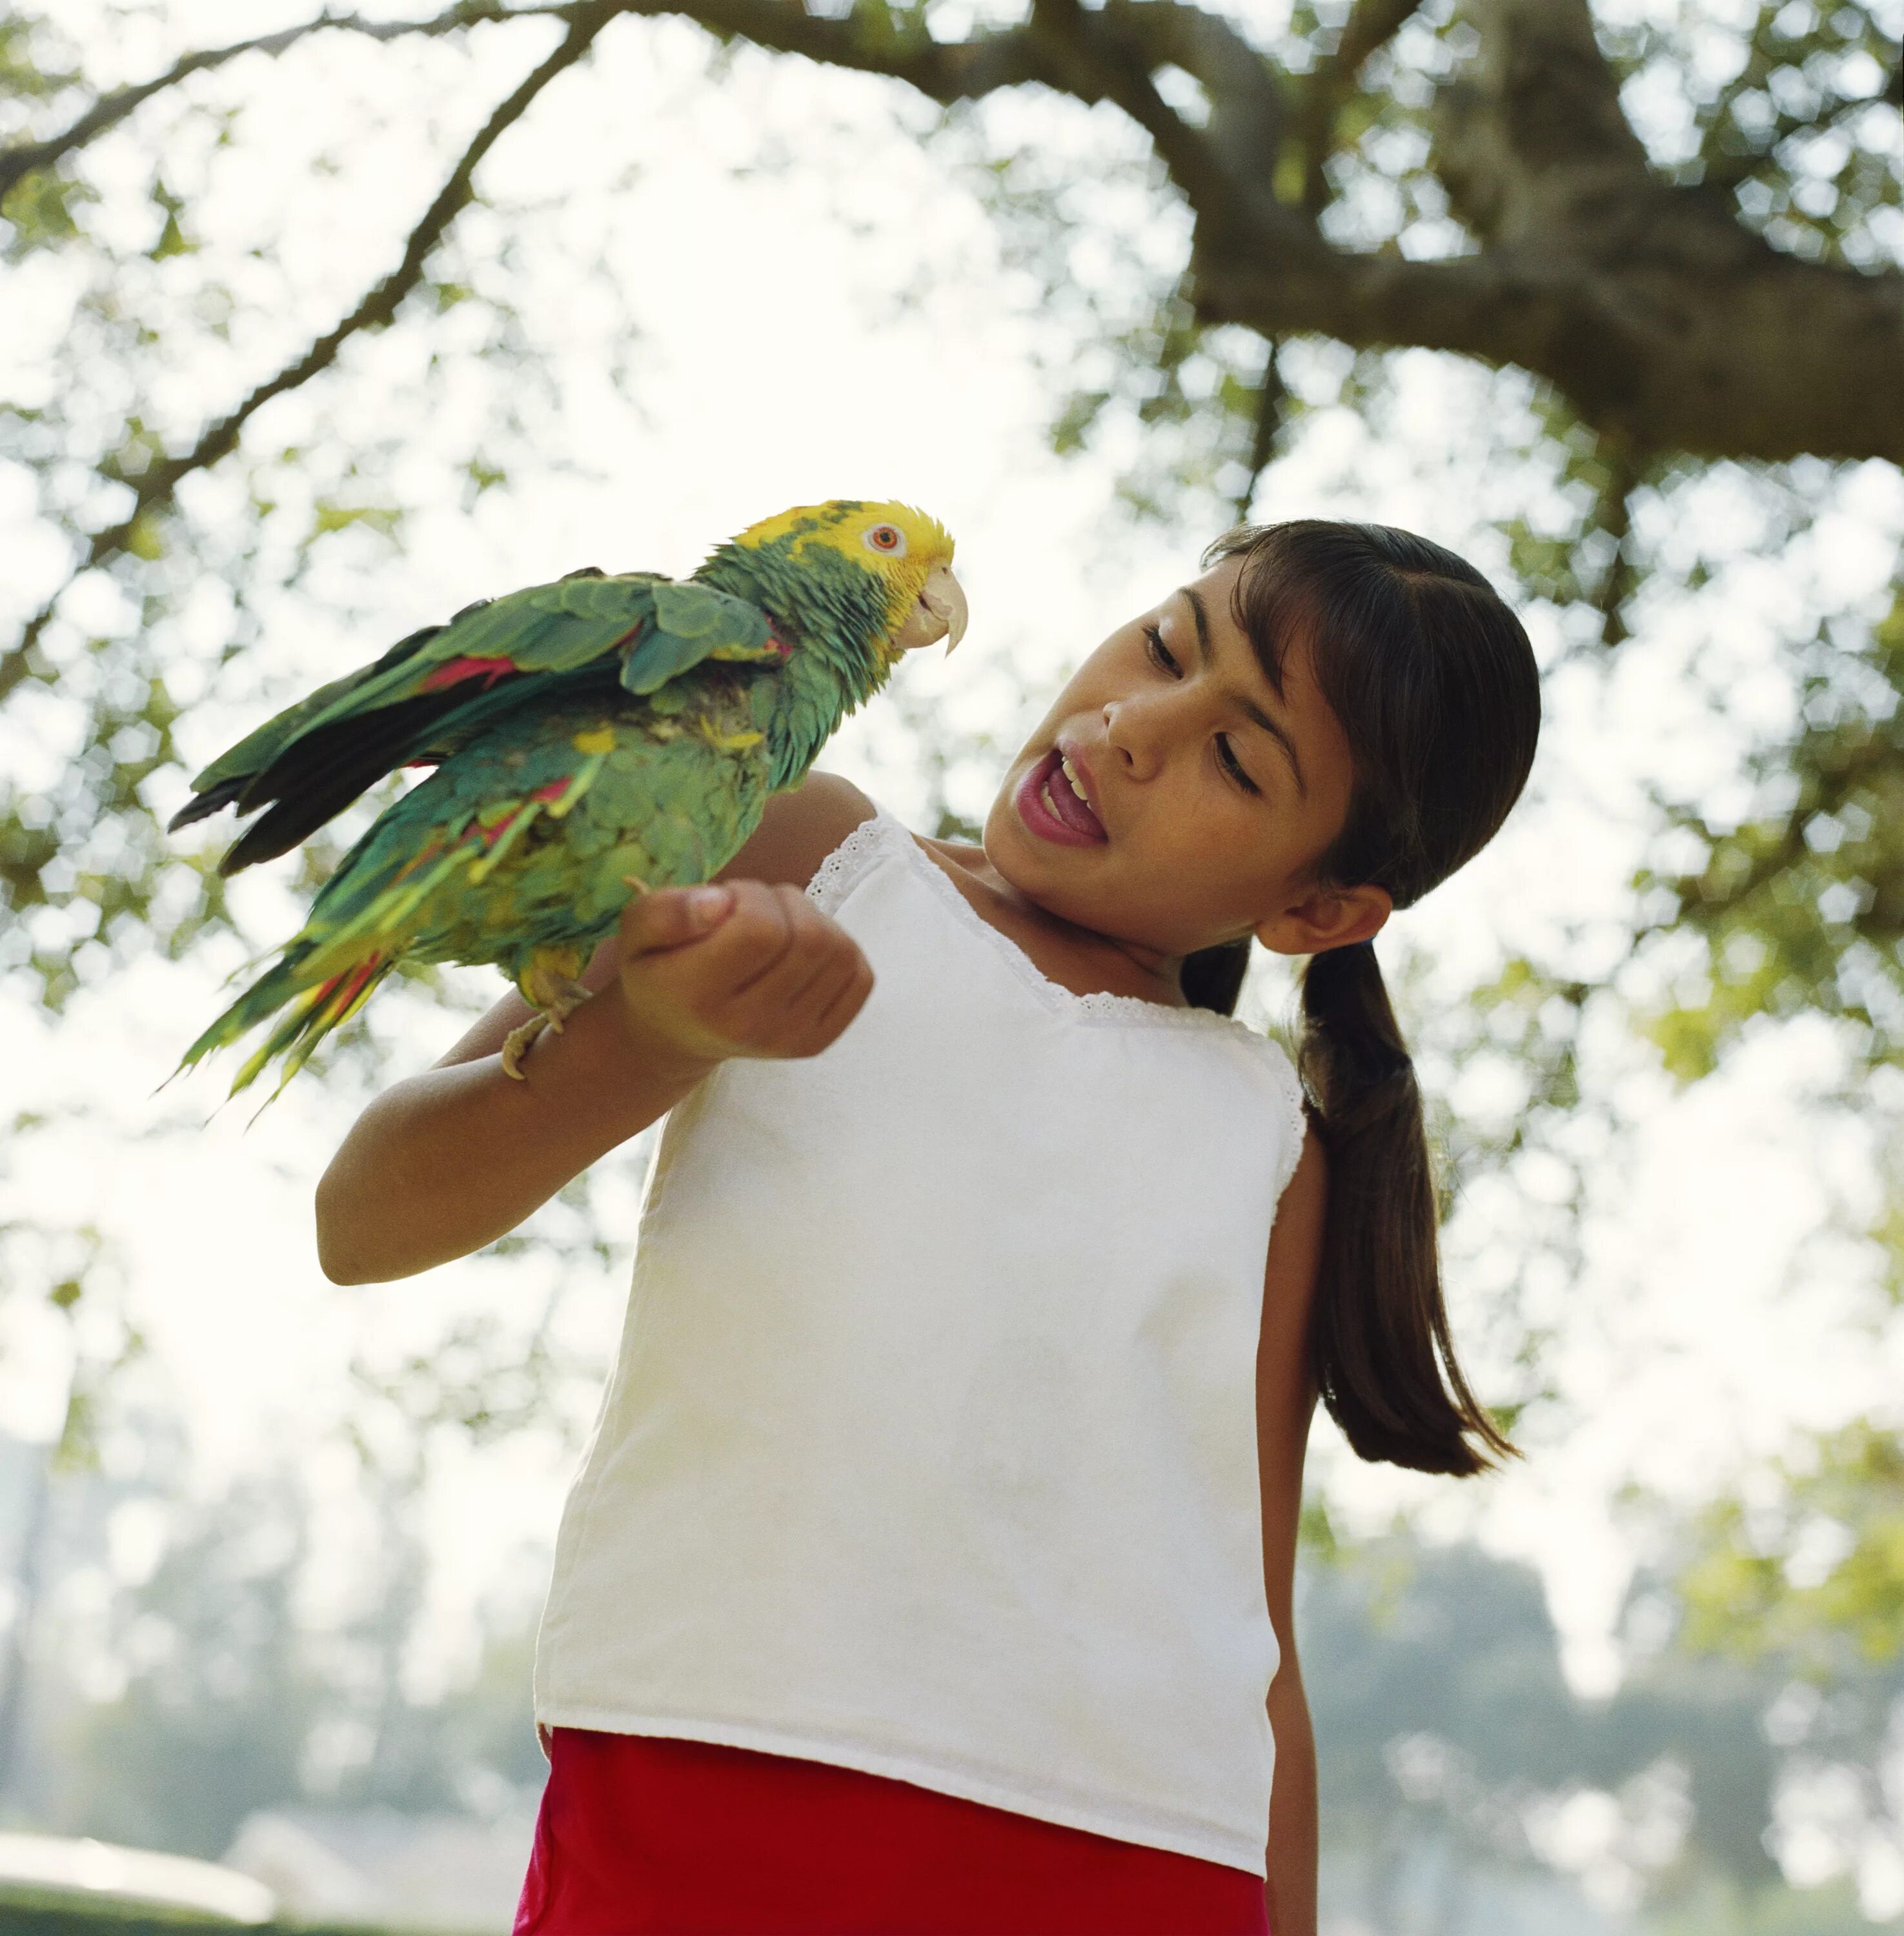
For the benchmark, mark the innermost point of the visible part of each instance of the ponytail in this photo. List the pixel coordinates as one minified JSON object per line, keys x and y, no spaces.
{"x":1379,"y":1341}
{"x":1434,"y":683}
{"x":1212,"y":978}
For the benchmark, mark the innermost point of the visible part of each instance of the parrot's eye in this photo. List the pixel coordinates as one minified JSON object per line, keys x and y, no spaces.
{"x":887,"y":539}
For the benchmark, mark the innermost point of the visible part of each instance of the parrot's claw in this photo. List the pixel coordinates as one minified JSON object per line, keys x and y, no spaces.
{"x":568,"y":996}
{"x":517,"y":1046}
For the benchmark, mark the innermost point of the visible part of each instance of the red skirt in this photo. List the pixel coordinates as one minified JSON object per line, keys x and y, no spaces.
{"x":640,"y":1834}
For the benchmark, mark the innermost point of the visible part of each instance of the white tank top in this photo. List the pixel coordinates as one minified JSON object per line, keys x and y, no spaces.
{"x":931,"y":1447}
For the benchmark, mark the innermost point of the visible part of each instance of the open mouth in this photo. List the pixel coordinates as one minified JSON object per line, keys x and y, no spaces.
{"x":1050,"y":802}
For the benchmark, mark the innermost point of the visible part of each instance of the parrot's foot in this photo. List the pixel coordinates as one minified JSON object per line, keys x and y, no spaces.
{"x":570,"y":996}
{"x":517,"y":1046}
{"x":564,"y":999}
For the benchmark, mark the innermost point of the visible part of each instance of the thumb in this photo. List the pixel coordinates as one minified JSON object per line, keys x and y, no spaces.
{"x":667,"y":917}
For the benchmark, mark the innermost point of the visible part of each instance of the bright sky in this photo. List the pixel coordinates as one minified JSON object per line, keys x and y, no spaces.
{"x":775,"y":364}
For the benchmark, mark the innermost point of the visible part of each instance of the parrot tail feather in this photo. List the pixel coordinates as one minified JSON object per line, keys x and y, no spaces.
{"x":318,"y":776}
{"x":202,"y":806}
{"x":329,"y":1006}
{"x":311,"y":1015}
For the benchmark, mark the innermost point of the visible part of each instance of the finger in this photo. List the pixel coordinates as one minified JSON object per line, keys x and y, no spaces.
{"x":671,"y":916}
{"x":814,"y":941}
{"x":837,"y":1015}
{"x":831,"y":1005}
{"x":754,"y":941}
{"x":780,"y":999}
{"x":814,"y":932}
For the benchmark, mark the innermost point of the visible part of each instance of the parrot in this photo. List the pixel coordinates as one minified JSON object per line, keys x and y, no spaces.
{"x":593,"y":738}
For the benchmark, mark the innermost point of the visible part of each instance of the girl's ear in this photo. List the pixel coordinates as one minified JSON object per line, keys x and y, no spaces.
{"x":1330,"y":917}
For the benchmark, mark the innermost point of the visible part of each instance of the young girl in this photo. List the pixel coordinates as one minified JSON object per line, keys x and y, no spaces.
{"x":930,"y":1568}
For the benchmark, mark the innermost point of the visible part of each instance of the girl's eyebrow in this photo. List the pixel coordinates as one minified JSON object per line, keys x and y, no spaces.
{"x":1199,"y":613}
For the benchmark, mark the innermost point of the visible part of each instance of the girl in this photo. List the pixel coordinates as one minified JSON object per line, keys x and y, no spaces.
{"x":930,"y":1568}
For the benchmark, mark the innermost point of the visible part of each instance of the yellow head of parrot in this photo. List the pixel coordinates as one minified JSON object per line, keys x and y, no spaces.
{"x":911,"y":552}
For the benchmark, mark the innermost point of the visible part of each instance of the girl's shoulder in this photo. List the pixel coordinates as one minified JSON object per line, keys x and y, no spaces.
{"x":798,"y":830}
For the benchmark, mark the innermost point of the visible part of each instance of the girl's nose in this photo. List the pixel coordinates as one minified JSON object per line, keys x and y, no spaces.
{"x":1134,"y":732}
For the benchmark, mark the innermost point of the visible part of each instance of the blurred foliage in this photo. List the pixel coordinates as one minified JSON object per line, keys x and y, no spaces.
{"x":57,"y":1912}
{"x":1813,"y":1572}
{"x":1775,"y":123}
{"x":217,"y":1707}
{"x":237,"y":1695}
{"x":1801,"y":908}
{"x":1795,"y":1581}
{"x":1434,"y":1679}
{"x":1443,"y":1722}
{"x":67,"y":1278}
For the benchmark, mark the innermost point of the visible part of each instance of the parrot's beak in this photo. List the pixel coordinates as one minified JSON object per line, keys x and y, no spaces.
{"x":939,"y":614}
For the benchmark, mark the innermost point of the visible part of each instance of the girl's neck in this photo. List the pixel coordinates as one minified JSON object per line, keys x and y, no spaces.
{"x":1080,"y":959}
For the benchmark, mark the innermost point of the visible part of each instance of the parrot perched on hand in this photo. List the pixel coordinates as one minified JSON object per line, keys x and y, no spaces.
{"x":591,"y":738}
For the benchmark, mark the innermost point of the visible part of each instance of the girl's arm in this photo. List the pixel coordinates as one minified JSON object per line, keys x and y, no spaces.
{"x":451,"y":1159}
{"x":1285,"y":1402}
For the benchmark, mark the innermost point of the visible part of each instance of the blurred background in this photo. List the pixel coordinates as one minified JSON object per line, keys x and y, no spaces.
{"x":314,"y":329}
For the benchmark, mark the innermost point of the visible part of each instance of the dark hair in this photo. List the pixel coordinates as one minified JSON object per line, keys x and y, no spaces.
{"x":1435,"y":685}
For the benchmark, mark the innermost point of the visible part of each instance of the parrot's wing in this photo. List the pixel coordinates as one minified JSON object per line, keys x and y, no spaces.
{"x":660,"y":628}
{"x":548,"y":628}
{"x":695,"y":622}
{"x":225,"y":778}
{"x":431,"y":692}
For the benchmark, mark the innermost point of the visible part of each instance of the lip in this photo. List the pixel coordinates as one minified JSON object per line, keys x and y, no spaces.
{"x":1043,"y":820}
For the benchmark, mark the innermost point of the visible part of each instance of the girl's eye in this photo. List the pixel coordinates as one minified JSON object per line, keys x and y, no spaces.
{"x":1226,"y":759}
{"x":1161,"y":653}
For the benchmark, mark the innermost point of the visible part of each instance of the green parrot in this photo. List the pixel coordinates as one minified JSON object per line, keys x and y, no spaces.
{"x":599,"y":735}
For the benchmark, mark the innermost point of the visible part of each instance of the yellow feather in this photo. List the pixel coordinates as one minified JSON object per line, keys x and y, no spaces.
{"x":485,"y":867}
{"x":584,"y":776}
{"x":841,"y":525}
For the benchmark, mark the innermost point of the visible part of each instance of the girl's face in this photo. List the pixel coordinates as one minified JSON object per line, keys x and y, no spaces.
{"x":1207,"y":796}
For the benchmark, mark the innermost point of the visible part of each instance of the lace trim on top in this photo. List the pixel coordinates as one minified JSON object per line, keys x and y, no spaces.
{"x":837,"y":874}
{"x":835,"y":877}
{"x":1295,"y":1112}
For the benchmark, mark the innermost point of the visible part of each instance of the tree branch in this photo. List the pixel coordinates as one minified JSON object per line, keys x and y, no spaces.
{"x":1614,"y":516}
{"x":1104,"y":54}
{"x":1099,"y":63}
{"x":1372,"y":24}
{"x":1248,"y":110}
{"x":1774,"y":359}
{"x":376,"y":309}
{"x":26,"y":157}
{"x":1272,"y":395}
{"x":867,"y":41}
{"x":1531,"y":143}
{"x":1667,"y":323}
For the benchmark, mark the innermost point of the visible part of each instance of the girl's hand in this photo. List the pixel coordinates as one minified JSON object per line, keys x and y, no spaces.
{"x":743,"y":968}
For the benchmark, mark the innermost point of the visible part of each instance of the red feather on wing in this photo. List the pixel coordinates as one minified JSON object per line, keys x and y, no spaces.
{"x":455,"y":671}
